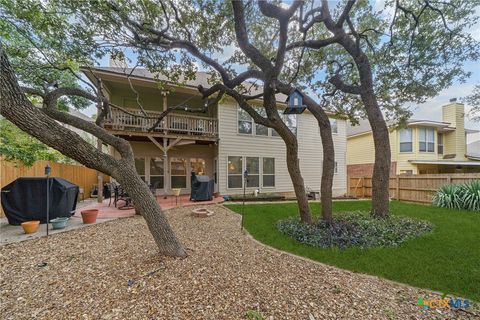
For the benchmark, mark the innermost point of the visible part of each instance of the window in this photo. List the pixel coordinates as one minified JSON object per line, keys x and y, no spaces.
{"x":335,"y":169}
{"x":334,"y":125}
{"x":406,"y":172}
{"x":426,"y":140}
{"x":291,"y":122}
{"x":261,"y":130}
{"x":406,"y":140}
{"x":235,"y":165}
{"x":253,"y":168}
{"x":440,"y":143}
{"x":179,"y":173}
{"x":244,"y":122}
{"x":198,"y":165}
{"x":268,"y":178}
{"x":140,"y":167}
{"x":156,"y":173}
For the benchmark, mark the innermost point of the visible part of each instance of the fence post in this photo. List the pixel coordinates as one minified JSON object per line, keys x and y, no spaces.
{"x":397,"y":192}
{"x":363,"y":187}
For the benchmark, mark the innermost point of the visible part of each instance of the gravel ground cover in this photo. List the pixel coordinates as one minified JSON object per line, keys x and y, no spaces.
{"x":112,"y":271}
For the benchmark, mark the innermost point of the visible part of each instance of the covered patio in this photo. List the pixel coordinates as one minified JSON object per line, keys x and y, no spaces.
{"x":107,"y":209}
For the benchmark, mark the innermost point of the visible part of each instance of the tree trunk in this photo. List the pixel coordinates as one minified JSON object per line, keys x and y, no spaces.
{"x":147,"y":206}
{"x":291,"y":144}
{"x":327,"y":170}
{"x":381,"y":168}
{"x":293,"y":165}
{"x":15,"y":107}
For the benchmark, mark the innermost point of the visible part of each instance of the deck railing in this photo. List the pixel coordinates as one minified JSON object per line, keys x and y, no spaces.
{"x":180,"y":124}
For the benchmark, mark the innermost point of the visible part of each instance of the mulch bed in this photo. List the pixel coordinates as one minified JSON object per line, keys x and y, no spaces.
{"x":112,"y":271}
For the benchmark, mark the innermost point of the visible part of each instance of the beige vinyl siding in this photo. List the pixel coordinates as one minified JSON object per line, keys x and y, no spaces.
{"x":361,"y":149}
{"x":310,"y":152}
{"x":455,"y":141}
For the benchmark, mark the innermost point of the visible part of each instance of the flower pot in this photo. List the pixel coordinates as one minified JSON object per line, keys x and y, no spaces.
{"x":30,"y":226}
{"x":59,"y":223}
{"x":216,"y":194}
{"x":89,"y":216}
{"x":176,"y":191}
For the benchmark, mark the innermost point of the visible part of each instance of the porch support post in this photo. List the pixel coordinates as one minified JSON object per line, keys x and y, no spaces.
{"x":99,"y":147}
{"x":166,"y":168}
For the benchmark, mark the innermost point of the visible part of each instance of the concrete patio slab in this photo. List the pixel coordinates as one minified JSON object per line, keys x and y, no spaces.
{"x":106,"y":212}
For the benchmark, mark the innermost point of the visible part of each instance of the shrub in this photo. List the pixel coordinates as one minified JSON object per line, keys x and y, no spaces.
{"x":471,"y":195}
{"x":355,"y":229}
{"x":459,"y":196}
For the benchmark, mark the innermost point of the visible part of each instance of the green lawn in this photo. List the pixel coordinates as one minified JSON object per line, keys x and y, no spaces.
{"x":445,"y":260}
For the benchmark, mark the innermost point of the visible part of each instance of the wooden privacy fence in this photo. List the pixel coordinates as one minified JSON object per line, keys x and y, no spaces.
{"x":82,"y":176}
{"x":415,"y":188}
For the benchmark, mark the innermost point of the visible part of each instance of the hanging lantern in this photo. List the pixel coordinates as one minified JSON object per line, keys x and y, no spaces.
{"x":294,"y":103}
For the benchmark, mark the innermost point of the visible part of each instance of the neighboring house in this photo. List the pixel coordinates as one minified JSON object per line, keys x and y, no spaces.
{"x":473,"y":145}
{"x":422,"y":147}
{"x":220,"y":143}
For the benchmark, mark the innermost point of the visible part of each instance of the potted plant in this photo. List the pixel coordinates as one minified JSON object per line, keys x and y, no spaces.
{"x":30,"y":226}
{"x":89,"y":216}
{"x":59,"y":223}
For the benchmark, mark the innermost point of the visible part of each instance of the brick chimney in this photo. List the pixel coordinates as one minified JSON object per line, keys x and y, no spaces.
{"x":454,"y":141}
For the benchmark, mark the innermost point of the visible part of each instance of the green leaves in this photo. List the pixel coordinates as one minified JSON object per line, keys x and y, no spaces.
{"x":16,"y":145}
{"x":459,"y":196}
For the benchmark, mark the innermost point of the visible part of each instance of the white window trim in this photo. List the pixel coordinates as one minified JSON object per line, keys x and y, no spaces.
{"x":236,"y":174}
{"x":400,"y":141}
{"x":255,"y":174}
{"x":146,"y":164}
{"x":270,"y":130}
{"x":336,"y":125}
{"x":426,"y":140}
{"x":268,"y":174}
{"x":439,"y":134}
{"x":238,"y":120}
{"x":260,"y":173}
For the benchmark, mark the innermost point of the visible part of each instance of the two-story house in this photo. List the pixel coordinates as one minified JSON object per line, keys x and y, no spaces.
{"x":422,"y":147}
{"x":220,"y":143}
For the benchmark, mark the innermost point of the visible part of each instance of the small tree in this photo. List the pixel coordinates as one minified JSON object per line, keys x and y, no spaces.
{"x":17,"y":146}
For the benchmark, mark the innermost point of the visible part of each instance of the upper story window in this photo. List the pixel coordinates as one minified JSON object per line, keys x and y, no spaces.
{"x":334,"y":125}
{"x":291,"y":122}
{"x":426,"y":140}
{"x":440,"y":143}
{"x":245,"y":122}
{"x":261,"y":130}
{"x":406,"y":140}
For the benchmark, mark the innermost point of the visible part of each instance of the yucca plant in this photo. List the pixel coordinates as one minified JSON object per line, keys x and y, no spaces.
{"x":470,"y":195}
{"x":448,"y":196}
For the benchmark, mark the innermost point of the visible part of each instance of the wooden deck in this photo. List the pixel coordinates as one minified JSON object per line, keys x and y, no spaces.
{"x":173,"y":125}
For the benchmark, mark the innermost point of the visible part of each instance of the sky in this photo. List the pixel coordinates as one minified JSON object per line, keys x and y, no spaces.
{"x":431,"y":109}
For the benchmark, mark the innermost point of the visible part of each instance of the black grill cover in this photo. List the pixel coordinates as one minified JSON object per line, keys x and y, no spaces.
{"x":26,"y":199}
{"x":202,"y":188}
